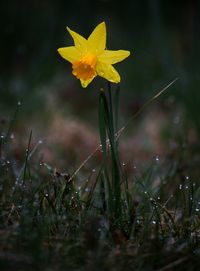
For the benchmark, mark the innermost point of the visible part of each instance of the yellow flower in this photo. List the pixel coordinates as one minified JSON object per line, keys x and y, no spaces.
{"x":90,"y":58}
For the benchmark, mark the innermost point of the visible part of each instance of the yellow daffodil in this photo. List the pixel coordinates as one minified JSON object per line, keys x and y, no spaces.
{"x":90,"y":58}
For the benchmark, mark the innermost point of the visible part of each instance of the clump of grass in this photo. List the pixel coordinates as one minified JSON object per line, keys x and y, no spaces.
{"x":107,"y":220}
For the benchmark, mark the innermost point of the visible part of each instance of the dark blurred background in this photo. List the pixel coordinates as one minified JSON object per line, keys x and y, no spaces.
{"x":163,"y":37}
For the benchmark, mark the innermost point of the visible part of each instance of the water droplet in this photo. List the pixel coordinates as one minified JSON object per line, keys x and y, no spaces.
{"x":145,"y":192}
{"x":197,"y":209}
{"x":187,"y":177}
{"x":19,"y":103}
{"x":12,"y":136}
{"x":86,"y":189}
{"x":123,"y":164}
{"x":46,"y":194}
{"x":157,"y":159}
{"x":153,"y":222}
{"x":180,"y":186}
{"x":2,"y":136}
{"x":40,"y":142}
{"x":186,"y":187}
{"x":94,"y":170}
{"x":8,"y":162}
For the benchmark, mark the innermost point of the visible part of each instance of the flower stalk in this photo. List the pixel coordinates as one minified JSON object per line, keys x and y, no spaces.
{"x":111,"y":178}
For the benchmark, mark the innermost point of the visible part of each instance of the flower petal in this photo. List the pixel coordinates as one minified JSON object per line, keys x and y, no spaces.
{"x":85,"y":83}
{"x":112,"y":57}
{"x":70,"y":53}
{"x":108,"y":72}
{"x":97,"y":40}
{"x":79,"y":41}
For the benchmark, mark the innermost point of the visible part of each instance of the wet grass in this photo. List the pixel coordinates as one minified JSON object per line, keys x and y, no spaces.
{"x":107,"y":218}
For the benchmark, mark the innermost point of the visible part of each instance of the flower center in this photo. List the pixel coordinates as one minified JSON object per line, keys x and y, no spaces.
{"x":85,"y":68}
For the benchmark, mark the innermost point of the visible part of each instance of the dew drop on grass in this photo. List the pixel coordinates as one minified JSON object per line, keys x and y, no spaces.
{"x":157,"y":159}
{"x":123,"y":164}
{"x":154,"y":222}
{"x":86,"y":189}
{"x":94,"y":170}
{"x":186,"y":187}
{"x":180,"y":186}
{"x":197,"y":209}
{"x":19,"y":103}
{"x":187,"y":177}
{"x":40,"y":142}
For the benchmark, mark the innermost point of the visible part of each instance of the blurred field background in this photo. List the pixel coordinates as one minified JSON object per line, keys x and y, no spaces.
{"x":163,"y":37}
